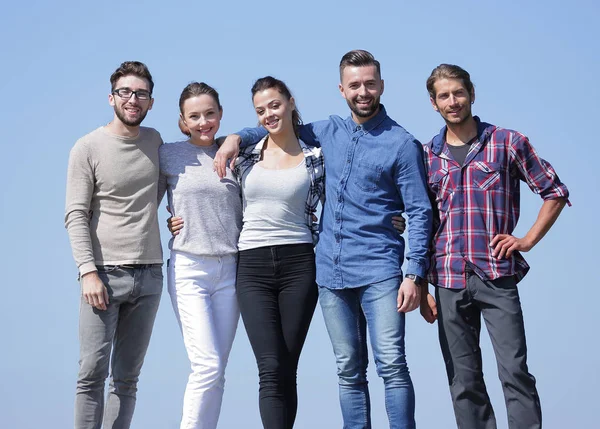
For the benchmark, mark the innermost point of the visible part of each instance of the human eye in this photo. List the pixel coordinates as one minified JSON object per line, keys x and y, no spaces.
{"x":123,"y":92}
{"x":143,"y":95}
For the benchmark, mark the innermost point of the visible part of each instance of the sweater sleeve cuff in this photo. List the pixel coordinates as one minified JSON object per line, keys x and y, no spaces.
{"x":87,"y":267}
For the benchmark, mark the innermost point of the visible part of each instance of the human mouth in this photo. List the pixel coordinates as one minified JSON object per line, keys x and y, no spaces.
{"x":272,"y":122}
{"x":363,"y":103}
{"x":133,"y":110}
{"x":205,"y":131}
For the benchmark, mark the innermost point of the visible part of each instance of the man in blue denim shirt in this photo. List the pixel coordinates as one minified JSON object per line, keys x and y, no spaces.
{"x":374,"y":169}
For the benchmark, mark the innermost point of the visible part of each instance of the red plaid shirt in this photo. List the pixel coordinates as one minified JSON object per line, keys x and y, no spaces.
{"x":481,"y":199}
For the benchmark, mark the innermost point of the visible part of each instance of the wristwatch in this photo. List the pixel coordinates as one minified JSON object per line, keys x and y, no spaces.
{"x":415,"y":278}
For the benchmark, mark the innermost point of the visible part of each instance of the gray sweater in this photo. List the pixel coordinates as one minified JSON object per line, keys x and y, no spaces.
{"x":211,"y":207}
{"x":112,"y":199}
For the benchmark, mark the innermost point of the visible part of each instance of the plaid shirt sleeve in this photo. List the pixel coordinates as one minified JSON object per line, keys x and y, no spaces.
{"x":535,"y":171}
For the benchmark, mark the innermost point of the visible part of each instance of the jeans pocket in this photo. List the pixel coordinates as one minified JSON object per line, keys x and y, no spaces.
{"x":156,"y":271}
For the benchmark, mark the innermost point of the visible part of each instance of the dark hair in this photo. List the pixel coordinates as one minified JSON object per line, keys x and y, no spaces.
{"x":131,"y":68}
{"x":359,"y":58}
{"x":449,"y":71}
{"x":195,"y":89}
{"x":269,"y":82}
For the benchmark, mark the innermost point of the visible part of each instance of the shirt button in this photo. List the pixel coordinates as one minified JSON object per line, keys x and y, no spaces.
{"x":335,"y":260}
{"x":358,"y":128}
{"x":354,"y":139}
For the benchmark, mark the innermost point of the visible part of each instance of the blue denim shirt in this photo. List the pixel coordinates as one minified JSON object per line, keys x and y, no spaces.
{"x":373,"y":171}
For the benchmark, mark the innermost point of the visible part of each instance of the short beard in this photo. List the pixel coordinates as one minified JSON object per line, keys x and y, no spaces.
{"x":363,"y":113}
{"x":126,"y":121}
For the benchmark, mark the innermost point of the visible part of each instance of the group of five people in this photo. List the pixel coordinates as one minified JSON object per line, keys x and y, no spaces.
{"x":244,"y":226}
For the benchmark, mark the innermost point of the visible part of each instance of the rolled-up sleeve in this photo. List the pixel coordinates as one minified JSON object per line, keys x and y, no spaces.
{"x":539,"y":175}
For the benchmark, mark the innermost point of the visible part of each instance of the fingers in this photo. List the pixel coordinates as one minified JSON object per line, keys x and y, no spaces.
{"x":399,"y":224}
{"x":410,"y":294}
{"x":106,"y":301}
{"x":400,"y":300}
{"x":496,"y":239}
{"x":501,"y":243}
{"x":175,"y":224}
{"x":428,"y":308}
{"x":97,"y":298}
{"x":220,"y":166}
{"x":427,"y":314}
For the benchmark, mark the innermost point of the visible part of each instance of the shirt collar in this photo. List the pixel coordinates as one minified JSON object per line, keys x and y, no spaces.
{"x":484,"y":130}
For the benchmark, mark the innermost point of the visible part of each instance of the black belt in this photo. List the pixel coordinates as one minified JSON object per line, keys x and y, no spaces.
{"x":134,"y":266}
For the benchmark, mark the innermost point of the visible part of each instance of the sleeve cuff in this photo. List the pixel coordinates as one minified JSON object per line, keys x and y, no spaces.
{"x":416,"y":269}
{"x":87,"y":267}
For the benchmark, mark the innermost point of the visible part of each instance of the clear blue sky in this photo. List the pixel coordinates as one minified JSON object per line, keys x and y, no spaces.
{"x":535,"y":68}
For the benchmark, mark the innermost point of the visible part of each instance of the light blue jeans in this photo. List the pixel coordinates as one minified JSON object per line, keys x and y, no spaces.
{"x":348,"y":313}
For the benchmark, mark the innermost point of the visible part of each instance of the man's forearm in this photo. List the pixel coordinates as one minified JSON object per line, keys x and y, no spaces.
{"x":547,"y":215}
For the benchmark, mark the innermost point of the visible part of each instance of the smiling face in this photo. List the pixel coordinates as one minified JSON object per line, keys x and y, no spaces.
{"x":202,"y":116}
{"x":452,"y":100}
{"x":274,"y":110}
{"x":362,"y":88}
{"x":132,"y":111}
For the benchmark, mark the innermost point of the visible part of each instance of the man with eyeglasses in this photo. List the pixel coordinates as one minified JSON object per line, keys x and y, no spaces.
{"x":111,"y":218}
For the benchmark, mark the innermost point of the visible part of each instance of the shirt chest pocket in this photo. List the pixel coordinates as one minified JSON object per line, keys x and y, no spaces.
{"x":367,"y":176}
{"x":487,"y":175}
{"x":438,"y":183}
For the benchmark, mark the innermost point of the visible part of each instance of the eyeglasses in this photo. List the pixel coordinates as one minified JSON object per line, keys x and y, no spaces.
{"x":126,"y":93}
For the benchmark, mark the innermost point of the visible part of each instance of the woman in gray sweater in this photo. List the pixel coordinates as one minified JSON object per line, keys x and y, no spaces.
{"x":202,"y":266}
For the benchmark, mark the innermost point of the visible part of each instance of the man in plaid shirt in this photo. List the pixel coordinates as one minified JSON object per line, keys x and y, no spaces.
{"x":474,"y":171}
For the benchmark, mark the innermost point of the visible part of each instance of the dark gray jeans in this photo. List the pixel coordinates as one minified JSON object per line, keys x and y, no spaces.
{"x":125,"y":328}
{"x":459,"y":324}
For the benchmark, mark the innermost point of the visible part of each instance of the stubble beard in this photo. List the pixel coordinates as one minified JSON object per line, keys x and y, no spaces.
{"x":363,"y":113}
{"x":130,"y":123}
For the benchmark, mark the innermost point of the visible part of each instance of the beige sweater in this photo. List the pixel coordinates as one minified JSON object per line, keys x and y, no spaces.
{"x":112,"y":199}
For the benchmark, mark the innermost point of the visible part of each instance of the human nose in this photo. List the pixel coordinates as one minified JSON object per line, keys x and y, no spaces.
{"x":362,"y":90}
{"x":453,"y":100}
{"x":133,"y":98}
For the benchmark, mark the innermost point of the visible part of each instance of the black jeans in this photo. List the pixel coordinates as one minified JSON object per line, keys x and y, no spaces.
{"x":277,"y":295}
{"x":459,"y":324}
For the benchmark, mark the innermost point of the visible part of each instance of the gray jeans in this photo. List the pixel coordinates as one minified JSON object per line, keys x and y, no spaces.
{"x":459,"y":324}
{"x":125,"y":328}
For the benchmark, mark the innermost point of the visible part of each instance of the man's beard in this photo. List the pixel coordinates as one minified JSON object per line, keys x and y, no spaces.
{"x":461,"y":119}
{"x":362,"y":113}
{"x":130,"y":123}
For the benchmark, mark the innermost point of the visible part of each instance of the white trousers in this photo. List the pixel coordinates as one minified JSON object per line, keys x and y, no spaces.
{"x":202,"y":291}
